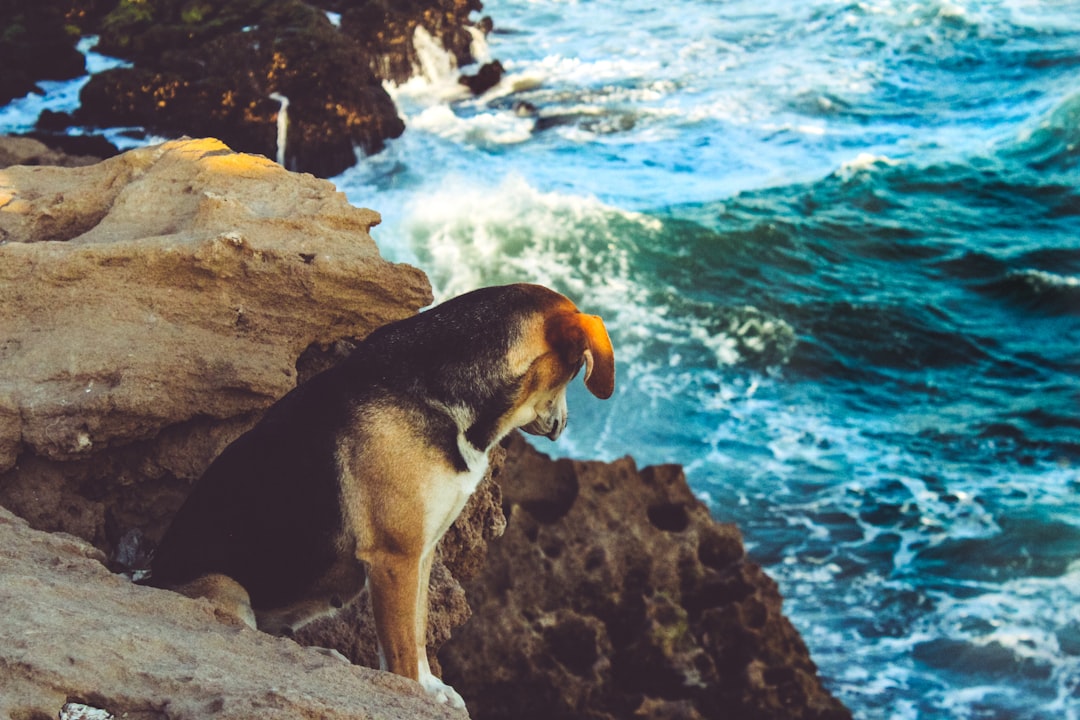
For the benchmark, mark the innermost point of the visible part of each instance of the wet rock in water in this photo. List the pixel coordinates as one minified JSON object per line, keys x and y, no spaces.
{"x":487,"y":77}
{"x":213,"y":71}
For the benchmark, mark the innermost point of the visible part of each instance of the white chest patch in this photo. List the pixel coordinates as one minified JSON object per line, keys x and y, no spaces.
{"x":450,"y":491}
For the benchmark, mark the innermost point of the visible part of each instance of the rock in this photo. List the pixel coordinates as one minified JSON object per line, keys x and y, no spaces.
{"x":37,"y":43}
{"x":613,"y":594}
{"x":79,"y":639}
{"x":387,"y":30}
{"x":29,"y":151}
{"x":155,"y":304}
{"x":210,"y":70}
{"x":487,"y":77}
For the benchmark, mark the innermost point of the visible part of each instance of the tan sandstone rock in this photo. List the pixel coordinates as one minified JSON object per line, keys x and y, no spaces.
{"x":154,"y":305}
{"x":28,"y":151}
{"x":72,"y":632}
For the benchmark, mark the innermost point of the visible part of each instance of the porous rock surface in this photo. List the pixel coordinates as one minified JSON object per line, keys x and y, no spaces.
{"x":613,"y":594}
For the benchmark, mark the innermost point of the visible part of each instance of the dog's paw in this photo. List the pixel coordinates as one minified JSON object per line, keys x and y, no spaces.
{"x":440,"y":691}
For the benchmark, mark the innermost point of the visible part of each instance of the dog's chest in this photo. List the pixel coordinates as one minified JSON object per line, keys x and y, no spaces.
{"x":447,"y":497}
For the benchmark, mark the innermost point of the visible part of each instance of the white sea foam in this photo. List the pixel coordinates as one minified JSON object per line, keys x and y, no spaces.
{"x":434,"y":81}
{"x":481,"y":130}
{"x":1042,"y":278}
{"x":864,"y":163}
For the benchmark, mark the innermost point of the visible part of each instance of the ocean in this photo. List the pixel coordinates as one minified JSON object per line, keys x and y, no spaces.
{"x":837,"y":245}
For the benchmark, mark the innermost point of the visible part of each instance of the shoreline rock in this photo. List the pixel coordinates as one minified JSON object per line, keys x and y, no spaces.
{"x":614,"y":594}
{"x":156,"y":303}
{"x":73,"y":632}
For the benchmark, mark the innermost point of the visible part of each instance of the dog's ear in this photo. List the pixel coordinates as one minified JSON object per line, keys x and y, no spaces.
{"x":599,"y":357}
{"x":583,"y":338}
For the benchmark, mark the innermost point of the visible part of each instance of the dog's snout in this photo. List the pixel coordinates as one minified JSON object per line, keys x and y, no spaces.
{"x":556,"y":429}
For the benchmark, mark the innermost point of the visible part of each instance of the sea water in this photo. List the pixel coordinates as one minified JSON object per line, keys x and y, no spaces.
{"x":837,"y":246}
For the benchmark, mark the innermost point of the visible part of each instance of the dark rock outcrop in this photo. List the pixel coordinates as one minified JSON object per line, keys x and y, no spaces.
{"x":37,"y":42}
{"x":211,"y":69}
{"x":613,"y":594}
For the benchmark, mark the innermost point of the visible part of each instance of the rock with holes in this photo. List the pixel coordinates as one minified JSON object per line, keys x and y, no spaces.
{"x":613,"y":594}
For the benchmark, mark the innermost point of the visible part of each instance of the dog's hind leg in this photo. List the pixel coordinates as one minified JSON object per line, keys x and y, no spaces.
{"x":230,"y":600}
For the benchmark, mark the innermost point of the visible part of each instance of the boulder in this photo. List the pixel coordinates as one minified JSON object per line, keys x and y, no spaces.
{"x":155,"y":304}
{"x":613,"y":594}
{"x":29,"y":151}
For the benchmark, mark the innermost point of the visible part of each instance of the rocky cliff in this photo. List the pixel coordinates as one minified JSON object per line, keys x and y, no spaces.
{"x":155,"y":304}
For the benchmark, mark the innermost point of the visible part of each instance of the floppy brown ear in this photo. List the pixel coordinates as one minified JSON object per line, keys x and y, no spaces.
{"x":599,"y":357}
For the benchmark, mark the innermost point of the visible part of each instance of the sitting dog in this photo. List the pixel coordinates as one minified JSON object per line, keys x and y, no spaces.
{"x":355,"y":475}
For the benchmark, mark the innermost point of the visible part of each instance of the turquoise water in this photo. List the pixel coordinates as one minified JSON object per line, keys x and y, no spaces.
{"x":837,"y":245}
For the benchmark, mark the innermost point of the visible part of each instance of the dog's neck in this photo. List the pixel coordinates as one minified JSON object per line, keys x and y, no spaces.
{"x":475,"y":436}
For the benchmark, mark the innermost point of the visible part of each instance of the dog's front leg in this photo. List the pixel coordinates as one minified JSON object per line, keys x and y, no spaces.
{"x":433,"y":685}
{"x":393,"y":579}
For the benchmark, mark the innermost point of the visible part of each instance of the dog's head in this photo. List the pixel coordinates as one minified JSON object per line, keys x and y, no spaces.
{"x":555,"y":343}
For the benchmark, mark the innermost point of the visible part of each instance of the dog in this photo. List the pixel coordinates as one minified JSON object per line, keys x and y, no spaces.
{"x":351,"y":479}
